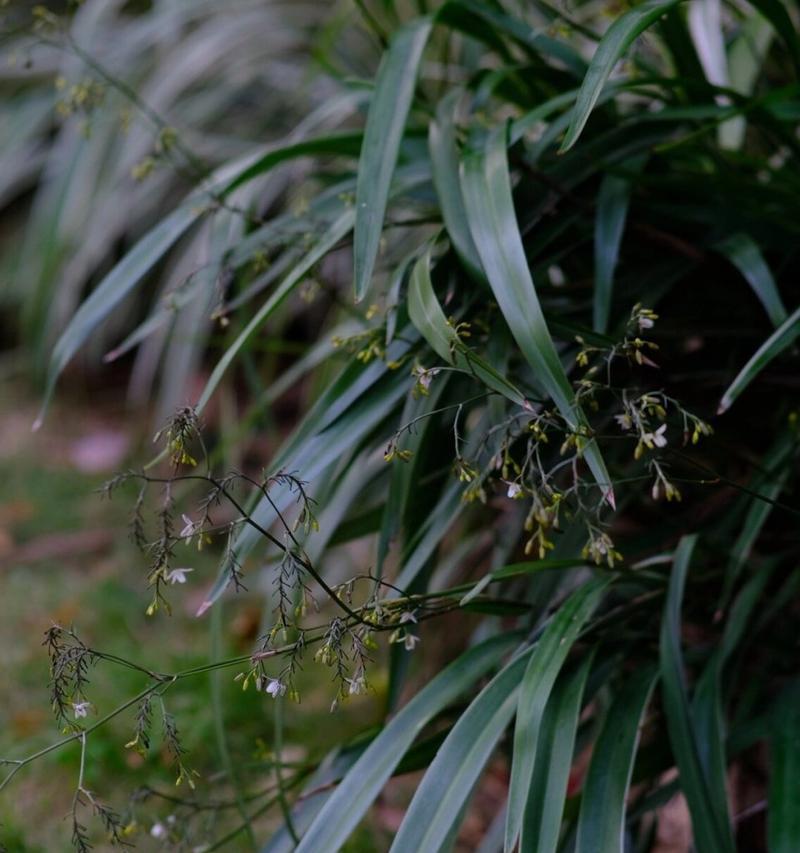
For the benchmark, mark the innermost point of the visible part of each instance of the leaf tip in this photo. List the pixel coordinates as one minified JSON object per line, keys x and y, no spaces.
{"x":359,"y":288}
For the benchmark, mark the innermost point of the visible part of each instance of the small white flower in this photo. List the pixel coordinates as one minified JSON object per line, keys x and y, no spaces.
{"x":358,"y":685}
{"x":424,"y":377}
{"x":189,"y":528}
{"x":410,"y":642}
{"x":624,"y":420}
{"x":81,"y":709}
{"x":514,"y":490}
{"x":646,"y":323}
{"x":275,"y":687}
{"x":178,"y":575}
{"x":657,"y":438}
{"x":158,"y":830}
{"x":408,"y":616}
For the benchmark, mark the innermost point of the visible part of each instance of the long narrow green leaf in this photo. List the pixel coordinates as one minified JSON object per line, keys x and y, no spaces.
{"x":386,"y":121}
{"x":444,"y":161}
{"x":540,"y":674}
{"x":429,"y":318}
{"x":708,"y":717}
{"x":613,"y":45}
{"x":316,"y":792}
{"x":517,"y":569}
{"x":347,"y":144}
{"x":783,"y":817}
{"x":772,"y":347}
{"x":544,"y":809}
{"x":746,"y":58}
{"x":428,"y":536}
{"x":705,"y":26}
{"x":612,"y":211}
{"x":513,"y":571}
{"x":744,"y":254}
{"x":711,"y":828}
{"x":490,"y":211}
{"x":436,"y":808}
{"x":427,"y":314}
{"x":345,"y":808}
{"x":768,"y":484}
{"x":493,"y":21}
{"x":776,"y":13}
{"x":747,"y":53}
{"x":601,"y":824}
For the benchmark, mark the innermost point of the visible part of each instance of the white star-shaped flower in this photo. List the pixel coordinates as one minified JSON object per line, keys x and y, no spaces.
{"x":624,"y":420}
{"x":657,"y":438}
{"x":424,"y":377}
{"x":81,"y":709}
{"x":189,"y":527}
{"x":410,"y":642}
{"x":178,"y":575}
{"x":275,"y":687}
{"x":358,"y":685}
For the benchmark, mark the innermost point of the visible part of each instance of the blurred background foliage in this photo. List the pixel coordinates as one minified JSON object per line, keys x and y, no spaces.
{"x":560,"y":242}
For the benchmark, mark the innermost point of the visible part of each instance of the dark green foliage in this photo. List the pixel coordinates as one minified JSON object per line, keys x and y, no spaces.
{"x":574,"y":259}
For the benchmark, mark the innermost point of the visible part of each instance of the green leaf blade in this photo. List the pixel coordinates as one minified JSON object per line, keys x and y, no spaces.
{"x":490,"y":209}
{"x":345,"y":808}
{"x":783,"y":817}
{"x":601,"y":823}
{"x":426,"y":313}
{"x":554,"y":755}
{"x":710,"y":823}
{"x":428,"y":317}
{"x":615,"y":42}
{"x":444,"y":161}
{"x":540,"y":675}
{"x":438,"y":803}
{"x":386,"y":120}
{"x":612,"y":211}
{"x":742,"y":251}
{"x":781,"y":339}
